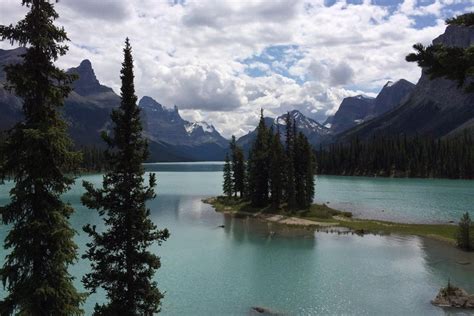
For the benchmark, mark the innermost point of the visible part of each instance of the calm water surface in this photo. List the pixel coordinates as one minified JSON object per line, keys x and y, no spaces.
{"x":208,"y":270}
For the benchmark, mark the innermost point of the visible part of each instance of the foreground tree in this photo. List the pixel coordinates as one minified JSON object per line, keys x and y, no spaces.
{"x":37,"y":154}
{"x":121,"y":261}
{"x":454,"y":63}
{"x":464,"y":238}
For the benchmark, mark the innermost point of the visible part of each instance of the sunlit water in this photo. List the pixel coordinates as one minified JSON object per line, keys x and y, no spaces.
{"x":209,"y":270}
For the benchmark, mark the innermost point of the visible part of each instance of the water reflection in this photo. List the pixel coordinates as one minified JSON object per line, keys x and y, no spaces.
{"x":447,"y":262}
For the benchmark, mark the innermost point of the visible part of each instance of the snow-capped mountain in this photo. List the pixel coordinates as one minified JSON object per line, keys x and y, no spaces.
{"x":200,"y":139}
{"x":316,"y":132}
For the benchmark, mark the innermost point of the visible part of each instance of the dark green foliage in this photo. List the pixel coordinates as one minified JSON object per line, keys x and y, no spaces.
{"x":121,"y":261}
{"x":308,"y":171}
{"x":277,"y":169}
{"x":93,"y":159}
{"x":454,"y":63}
{"x":464,"y":236}
{"x":290,"y":192}
{"x":277,"y":175}
{"x":227,"y":186}
{"x":36,"y":153}
{"x":401,"y":156}
{"x":259,"y":166}
{"x":238,"y":168}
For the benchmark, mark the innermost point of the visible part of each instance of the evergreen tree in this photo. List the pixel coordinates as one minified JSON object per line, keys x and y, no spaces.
{"x":121,"y":261}
{"x":238,"y":168}
{"x":299,"y":161}
{"x":464,"y":238}
{"x":454,"y":63}
{"x":37,"y":153}
{"x":290,"y":191}
{"x":259,"y":166}
{"x":309,"y":171}
{"x":401,"y":156}
{"x":277,"y":166}
{"x":227,"y":185}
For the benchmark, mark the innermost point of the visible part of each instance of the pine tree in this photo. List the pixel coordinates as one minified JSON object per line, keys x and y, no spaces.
{"x":259,"y":166}
{"x":37,"y":153}
{"x":277,"y":164}
{"x":308,"y":172}
{"x":463,"y":237}
{"x":300,"y":162}
{"x":290,"y":166}
{"x":121,"y":261}
{"x":227,"y":185}
{"x":238,"y":168}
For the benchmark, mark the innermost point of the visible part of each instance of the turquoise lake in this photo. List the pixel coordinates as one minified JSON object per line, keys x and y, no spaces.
{"x":209,"y":270}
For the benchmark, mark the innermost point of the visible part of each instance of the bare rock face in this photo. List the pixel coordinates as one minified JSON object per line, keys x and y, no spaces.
{"x":452,"y":296}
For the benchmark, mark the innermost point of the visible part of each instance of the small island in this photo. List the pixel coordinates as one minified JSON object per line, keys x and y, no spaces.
{"x":321,"y":216}
{"x":276,"y":184}
{"x":452,"y":296}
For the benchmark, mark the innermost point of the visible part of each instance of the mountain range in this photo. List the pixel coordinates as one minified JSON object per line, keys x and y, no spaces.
{"x":438,"y":108}
{"x":87,"y":111}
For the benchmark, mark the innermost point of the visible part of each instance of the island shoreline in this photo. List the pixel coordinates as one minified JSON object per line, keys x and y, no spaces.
{"x":340,"y":220}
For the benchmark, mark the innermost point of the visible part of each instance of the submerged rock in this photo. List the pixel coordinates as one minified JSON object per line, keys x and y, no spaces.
{"x":452,"y":296}
{"x":263,"y":311}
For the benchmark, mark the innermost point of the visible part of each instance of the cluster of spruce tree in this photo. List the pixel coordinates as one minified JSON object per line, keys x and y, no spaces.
{"x":38,"y":153}
{"x":93,"y":159}
{"x":275,"y":173}
{"x":401,"y":156}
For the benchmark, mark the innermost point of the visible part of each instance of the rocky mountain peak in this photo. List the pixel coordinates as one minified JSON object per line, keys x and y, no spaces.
{"x":150,"y":103}
{"x":87,"y":82}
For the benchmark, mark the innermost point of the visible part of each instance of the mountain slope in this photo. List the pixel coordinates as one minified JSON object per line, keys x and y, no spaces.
{"x":356,"y":110}
{"x":391,"y":96}
{"x":195,"y":140}
{"x":352,"y":111}
{"x":435,"y":107}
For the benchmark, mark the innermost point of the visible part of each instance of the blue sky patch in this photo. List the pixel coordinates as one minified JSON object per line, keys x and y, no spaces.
{"x":275,"y":59}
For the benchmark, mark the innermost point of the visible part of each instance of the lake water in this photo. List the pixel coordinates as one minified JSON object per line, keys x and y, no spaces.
{"x":208,"y":270}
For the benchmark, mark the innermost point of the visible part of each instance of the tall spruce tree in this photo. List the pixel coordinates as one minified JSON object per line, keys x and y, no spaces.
{"x":277,"y":167}
{"x":227,"y":186}
{"x":37,"y":153}
{"x":259,"y":166}
{"x":121,"y":261}
{"x":308,"y":171}
{"x":238,"y":168}
{"x":290,"y":192}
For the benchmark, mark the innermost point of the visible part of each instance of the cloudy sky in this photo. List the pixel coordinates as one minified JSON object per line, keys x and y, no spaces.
{"x":221,"y":61}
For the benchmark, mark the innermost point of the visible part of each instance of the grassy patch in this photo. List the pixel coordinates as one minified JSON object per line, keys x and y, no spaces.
{"x":323,"y":213}
{"x":437,"y":231}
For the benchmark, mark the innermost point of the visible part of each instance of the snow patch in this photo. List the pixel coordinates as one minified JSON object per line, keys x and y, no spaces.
{"x":191,"y":127}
